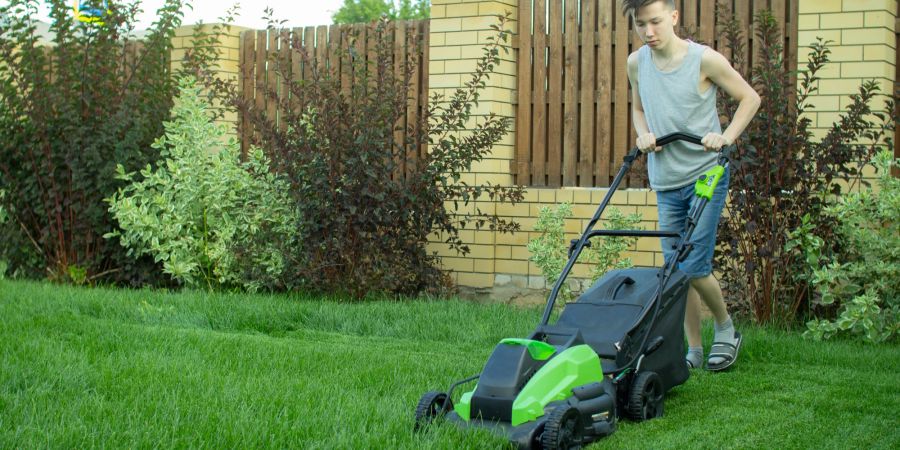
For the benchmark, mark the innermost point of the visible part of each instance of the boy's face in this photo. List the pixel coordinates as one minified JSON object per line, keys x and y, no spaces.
{"x":655,"y":24}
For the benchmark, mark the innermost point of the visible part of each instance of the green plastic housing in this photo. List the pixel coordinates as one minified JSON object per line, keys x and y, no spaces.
{"x":706,"y":185}
{"x":575,"y":366}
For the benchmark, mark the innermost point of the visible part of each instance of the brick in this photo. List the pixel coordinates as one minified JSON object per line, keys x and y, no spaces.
{"x":482,"y":251}
{"x":547,"y":196}
{"x":581,"y":196}
{"x":502,"y":252}
{"x":479,"y":23}
{"x":513,"y":267}
{"x":476,"y":280}
{"x":869,"y":5}
{"x":520,"y":238}
{"x":448,"y":24}
{"x":648,"y":213}
{"x":879,"y":19}
{"x":637,"y":197}
{"x":564,"y":195}
{"x":463,"y":38}
{"x":465,"y":66}
{"x":520,"y":253}
{"x":826,"y":102}
{"x":436,"y":67}
{"x":805,"y":38}
{"x":867,"y":70}
{"x":484,"y":237}
{"x":841,"y":20}
{"x":484,"y":266}
{"x":462,"y":10}
{"x":838,"y":87}
{"x":868,"y":36}
{"x":808,"y":22}
{"x":457,"y":264}
{"x":445,"y":53}
{"x":819,"y":6}
{"x":879,"y":53}
{"x":841,"y":53}
{"x":437,"y":39}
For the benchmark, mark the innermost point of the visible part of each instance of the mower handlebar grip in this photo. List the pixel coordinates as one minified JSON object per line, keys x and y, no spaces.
{"x":672,"y":137}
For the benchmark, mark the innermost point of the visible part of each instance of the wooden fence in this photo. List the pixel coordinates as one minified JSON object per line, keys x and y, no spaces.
{"x":574,"y":108}
{"x":329,"y":48}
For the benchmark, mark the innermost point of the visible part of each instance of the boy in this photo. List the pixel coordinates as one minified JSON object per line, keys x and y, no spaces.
{"x":674,"y":83}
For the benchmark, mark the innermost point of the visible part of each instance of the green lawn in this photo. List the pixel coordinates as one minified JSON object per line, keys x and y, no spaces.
{"x":136,"y":369}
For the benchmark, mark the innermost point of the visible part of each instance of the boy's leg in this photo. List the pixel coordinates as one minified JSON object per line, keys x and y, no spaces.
{"x":694,"y":356}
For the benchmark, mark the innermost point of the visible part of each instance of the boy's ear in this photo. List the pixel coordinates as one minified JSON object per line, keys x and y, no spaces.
{"x":674,"y":17}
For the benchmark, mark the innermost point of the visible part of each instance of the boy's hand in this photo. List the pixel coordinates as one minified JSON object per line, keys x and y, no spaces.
{"x":647,"y":143}
{"x":712,"y":142}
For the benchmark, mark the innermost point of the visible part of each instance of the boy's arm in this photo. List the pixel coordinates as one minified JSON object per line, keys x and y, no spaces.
{"x":646,"y":140}
{"x":720,"y":72}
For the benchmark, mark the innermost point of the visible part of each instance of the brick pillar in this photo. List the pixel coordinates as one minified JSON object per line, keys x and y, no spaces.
{"x":863,"y":32}
{"x":458,"y":31}
{"x":229,"y":59}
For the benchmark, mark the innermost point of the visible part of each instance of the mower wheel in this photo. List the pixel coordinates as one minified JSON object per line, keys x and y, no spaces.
{"x":645,"y":399}
{"x":564,"y":429}
{"x":431,"y":406}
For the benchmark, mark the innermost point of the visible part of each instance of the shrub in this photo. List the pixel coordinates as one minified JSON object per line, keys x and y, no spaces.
{"x":68,"y":113}
{"x":550,"y":250}
{"x":862,"y":277}
{"x":368,"y":201}
{"x":780,"y":173}
{"x":211,"y":220}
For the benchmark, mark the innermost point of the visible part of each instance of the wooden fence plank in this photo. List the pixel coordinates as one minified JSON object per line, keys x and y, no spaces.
{"x":271,"y":76}
{"x":539,"y":150}
{"x":322,"y":48}
{"x":424,"y":55}
{"x":622,"y":115}
{"x":260,"y":84}
{"x":398,"y":30}
{"x":309,"y":43}
{"x":555,"y":93}
{"x":588,"y":93}
{"x":606,"y":12}
{"x":570,"y":96}
{"x":412,"y":106}
{"x":284,"y":64}
{"x":247,"y":85}
{"x":523,"y":116}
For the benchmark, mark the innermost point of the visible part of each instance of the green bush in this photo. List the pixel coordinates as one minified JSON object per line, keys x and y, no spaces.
{"x":780,"y":172}
{"x":368,"y":199}
{"x":68,"y":112}
{"x":862,"y":278}
{"x":211,"y":220}
{"x":550,"y":250}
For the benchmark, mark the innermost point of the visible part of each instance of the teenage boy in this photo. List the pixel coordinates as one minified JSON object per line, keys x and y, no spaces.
{"x":674,"y":83}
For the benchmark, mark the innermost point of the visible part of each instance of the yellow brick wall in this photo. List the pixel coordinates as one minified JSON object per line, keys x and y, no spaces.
{"x":863,"y":49}
{"x":494,"y":254}
{"x":458,"y":32}
{"x":229,"y":58}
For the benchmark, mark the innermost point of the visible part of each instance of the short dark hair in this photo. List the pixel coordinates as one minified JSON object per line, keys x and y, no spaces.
{"x":630,"y":6}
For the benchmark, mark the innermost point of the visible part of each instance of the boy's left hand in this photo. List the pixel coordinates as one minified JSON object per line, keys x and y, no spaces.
{"x":712,"y":142}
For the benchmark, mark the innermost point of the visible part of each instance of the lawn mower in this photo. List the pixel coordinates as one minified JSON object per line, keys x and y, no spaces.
{"x":611,"y":354}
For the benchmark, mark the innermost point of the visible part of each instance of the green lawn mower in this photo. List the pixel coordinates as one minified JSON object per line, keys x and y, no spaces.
{"x":613,"y":353}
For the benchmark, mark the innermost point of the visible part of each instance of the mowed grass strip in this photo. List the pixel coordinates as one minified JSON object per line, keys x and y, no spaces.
{"x":140,"y":368}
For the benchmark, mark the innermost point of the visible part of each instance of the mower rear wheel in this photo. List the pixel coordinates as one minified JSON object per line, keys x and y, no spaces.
{"x":430,"y":407}
{"x":564,"y":430}
{"x":645,"y":399}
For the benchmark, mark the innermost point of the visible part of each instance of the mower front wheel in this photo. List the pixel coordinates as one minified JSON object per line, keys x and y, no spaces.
{"x":564,"y":430}
{"x":430,"y":407}
{"x":645,"y":399}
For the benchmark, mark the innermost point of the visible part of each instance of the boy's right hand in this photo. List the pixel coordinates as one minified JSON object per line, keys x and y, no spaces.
{"x":647,"y":143}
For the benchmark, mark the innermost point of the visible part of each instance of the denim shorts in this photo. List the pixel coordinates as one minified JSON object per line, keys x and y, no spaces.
{"x":673,"y":206}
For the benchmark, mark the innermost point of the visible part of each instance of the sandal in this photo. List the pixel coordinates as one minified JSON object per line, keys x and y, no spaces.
{"x":725,"y":350}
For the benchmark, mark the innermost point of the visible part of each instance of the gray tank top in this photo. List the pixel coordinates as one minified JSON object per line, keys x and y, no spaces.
{"x":671,"y":104}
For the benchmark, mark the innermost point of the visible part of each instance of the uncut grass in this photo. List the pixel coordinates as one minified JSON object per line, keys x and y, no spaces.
{"x":119,"y":368}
